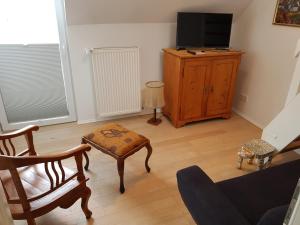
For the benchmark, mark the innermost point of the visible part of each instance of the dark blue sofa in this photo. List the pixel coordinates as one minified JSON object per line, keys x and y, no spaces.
{"x":260,"y":198}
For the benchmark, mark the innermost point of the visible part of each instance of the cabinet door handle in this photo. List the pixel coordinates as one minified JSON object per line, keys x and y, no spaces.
{"x":211,"y":89}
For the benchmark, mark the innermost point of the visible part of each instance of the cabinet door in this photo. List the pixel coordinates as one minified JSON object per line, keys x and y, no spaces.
{"x":193,"y":89}
{"x":221,"y":86}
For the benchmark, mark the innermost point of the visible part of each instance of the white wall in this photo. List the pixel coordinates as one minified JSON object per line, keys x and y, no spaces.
{"x":284,"y":128}
{"x":295,"y":83}
{"x":148,"y":25}
{"x":81,"y":12}
{"x":151,"y":38}
{"x":265,"y":72}
{"x":268,"y":64}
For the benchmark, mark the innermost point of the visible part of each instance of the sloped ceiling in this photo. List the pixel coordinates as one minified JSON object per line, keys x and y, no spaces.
{"x":144,"y":11}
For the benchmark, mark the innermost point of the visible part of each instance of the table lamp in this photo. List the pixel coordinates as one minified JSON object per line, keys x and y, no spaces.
{"x":153,"y":98}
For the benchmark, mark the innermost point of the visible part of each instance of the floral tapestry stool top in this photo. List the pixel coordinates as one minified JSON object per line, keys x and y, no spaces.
{"x":118,"y":142}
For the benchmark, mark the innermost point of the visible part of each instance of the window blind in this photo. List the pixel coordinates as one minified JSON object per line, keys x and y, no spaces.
{"x":31,"y":82}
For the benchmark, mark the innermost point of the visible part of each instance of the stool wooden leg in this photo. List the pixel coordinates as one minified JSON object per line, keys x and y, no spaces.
{"x":87,"y":161}
{"x":149,"y":149}
{"x":121,"y":174}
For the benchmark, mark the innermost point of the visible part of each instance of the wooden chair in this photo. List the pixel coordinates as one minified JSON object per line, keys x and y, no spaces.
{"x":34,"y":185}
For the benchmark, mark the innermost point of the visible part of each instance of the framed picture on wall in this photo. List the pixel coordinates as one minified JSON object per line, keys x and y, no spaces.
{"x":287,"y":13}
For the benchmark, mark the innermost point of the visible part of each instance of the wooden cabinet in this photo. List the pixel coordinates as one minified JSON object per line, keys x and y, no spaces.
{"x":199,"y":87}
{"x":193,"y":85}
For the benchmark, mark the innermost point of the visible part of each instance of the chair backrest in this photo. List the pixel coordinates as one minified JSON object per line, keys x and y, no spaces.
{"x":27,"y":178}
{"x":18,"y":173}
{"x":7,"y":146}
{"x":8,"y":170}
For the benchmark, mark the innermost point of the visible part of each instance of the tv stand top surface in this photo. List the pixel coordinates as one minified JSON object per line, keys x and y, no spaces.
{"x":192,"y":53}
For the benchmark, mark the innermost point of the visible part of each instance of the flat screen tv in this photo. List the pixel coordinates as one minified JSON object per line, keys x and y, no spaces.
{"x":203,"y":30}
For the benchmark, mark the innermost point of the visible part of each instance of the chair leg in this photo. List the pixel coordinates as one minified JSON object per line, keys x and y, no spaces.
{"x":120,"y":163}
{"x":87,"y":161}
{"x":84,"y":203}
{"x":149,"y":149}
{"x":31,"y":221}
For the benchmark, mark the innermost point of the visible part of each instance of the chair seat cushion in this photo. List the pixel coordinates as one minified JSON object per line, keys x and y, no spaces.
{"x":36,"y":205}
{"x":205,"y":201}
{"x":116,"y":139}
{"x":256,"y":193}
{"x":34,"y":179}
{"x":36,"y":183}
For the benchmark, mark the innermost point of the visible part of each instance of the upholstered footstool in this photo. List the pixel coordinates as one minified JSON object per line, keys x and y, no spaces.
{"x":118,"y":142}
{"x":256,"y":149}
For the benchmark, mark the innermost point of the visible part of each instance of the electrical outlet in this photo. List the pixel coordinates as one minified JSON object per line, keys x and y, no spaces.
{"x":243,"y":98}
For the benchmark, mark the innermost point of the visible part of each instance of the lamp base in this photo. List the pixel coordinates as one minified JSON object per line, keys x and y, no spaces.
{"x":154,"y":121}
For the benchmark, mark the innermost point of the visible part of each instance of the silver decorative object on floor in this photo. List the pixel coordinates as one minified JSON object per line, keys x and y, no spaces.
{"x":256,"y":149}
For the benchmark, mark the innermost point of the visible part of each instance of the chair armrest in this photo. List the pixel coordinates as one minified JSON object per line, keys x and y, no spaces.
{"x":20,"y":132}
{"x":205,"y":201}
{"x":16,"y":162}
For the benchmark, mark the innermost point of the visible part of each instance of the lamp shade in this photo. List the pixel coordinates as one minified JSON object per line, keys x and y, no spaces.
{"x":153,"y":95}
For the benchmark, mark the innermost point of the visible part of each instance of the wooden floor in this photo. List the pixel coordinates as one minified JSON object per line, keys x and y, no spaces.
{"x":150,"y":198}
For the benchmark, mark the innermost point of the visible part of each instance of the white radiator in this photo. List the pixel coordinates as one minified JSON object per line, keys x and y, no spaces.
{"x":116,"y":78}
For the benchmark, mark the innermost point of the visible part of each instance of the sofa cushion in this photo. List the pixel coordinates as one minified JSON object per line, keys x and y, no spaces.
{"x":206,"y":203}
{"x":274,"y":216}
{"x":256,"y":193}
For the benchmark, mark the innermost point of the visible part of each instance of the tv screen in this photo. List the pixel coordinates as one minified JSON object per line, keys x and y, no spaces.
{"x":203,"y":30}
